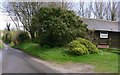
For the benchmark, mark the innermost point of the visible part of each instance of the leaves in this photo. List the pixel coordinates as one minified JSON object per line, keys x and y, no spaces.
{"x":59,"y":26}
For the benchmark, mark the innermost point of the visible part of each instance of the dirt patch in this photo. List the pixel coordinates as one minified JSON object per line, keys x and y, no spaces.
{"x":69,"y":67}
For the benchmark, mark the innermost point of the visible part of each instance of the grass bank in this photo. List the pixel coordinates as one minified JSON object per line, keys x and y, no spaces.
{"x":1,"y":45}
{"x":103,"y":62}
{"x":113,"y":50}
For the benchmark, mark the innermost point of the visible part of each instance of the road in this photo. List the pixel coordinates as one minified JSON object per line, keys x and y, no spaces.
{"x":15,"y":61}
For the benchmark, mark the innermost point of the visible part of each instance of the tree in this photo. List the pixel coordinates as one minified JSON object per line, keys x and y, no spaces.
{"x":118,"y":8}
{"x":57,"y":27}
{"x":8,"y":9}
{"x":114,"y":11}
{"x":24,"y":12}
{"x":8,"y":26}
{"x":81,"y":9}
{"x":100,"y":10}
{"x":89,"y":10}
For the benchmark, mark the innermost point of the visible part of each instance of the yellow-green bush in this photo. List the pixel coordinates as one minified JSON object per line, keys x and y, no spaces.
{"x":89,"y":45}
{"x":82,"y":46}
{"x":76,"y":48}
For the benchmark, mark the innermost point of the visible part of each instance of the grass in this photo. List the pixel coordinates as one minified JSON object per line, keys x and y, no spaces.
{"x":1,"y":45}
{"x":113,"y":50}
{"x":103,"y":62}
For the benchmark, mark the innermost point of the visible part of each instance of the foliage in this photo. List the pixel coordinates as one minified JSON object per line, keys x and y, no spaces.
{"x":24,"y":11}
{"x":89,"y":45}
{"x":56,"y":26}
{"x":82,"y":46}
{"x":15,"y":37}
{"x":113,"y":50}
{"x":31,"y":46}
{"x":20,"y":36}
{"x":7,"y":37}
{"x":77,"y":49}
{"x":1,"y":45}
{"x":103,"y":61}
{"x":92,"y":37}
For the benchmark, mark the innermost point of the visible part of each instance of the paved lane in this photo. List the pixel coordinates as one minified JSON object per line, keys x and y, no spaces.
{"x":15,"y":61}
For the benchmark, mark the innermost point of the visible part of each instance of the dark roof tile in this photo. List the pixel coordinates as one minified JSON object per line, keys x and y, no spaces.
{"x":102,"y":25}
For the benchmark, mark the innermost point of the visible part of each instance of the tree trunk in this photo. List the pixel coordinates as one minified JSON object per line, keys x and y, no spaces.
{"x":32,"y":35}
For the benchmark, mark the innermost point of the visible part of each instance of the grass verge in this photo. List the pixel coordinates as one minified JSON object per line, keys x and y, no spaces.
{"x":113,"y":50}
{"x":103,"y":62}
{"x":1,"y":45}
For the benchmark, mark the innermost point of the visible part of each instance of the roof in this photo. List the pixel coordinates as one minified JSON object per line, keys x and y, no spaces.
{"x":101,"y":25}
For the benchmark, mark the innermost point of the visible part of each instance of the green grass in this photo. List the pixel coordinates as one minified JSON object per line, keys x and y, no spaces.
{"x":1,"y":45}
{"x":103,"y":62}
{"x":113,"y":50}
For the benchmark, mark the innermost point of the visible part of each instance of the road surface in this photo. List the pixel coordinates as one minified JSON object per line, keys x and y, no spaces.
{"x":15,"y":61}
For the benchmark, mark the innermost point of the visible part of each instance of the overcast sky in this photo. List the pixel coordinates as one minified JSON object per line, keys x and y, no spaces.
{"x":4,"y":18}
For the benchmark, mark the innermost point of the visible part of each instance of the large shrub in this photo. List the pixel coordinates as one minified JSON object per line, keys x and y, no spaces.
{"x":77,"y":49}
{"x":82,"y":46}
{"x":57,"y":27}
{"x":89,"y":45}
{"x":7,"y":37}
{"x":20,"y":36}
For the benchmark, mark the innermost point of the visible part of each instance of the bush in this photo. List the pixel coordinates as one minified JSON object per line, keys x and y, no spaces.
{"x":20,"y":36}
{"x":89,"y":45}
{"x":57,"y":27}
{"x":82,"y":46}
{"x":7,"y":37}
{"x":77,"y":49}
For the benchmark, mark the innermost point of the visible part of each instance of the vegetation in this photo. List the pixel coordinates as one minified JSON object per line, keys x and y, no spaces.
{"x":0,"y":37}
{"x":21,"y":13}
{"x":53,"y":33}
{"x":57,"y":29}
{"x":89,"y":45}
{"x":1,"y":45}
{"x":113,"y":50}
{"x":19,"y":37}
{"x":82,"y":46}
{"x":103,"y":61}
{"x":15,"y":37}
{"x":7,"y":37}
{"x":77,"y":49}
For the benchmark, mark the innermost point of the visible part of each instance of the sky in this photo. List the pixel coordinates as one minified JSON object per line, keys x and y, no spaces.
{"x":4,"y":18}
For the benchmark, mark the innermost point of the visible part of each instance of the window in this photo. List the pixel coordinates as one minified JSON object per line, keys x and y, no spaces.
{"x":103,"y":34}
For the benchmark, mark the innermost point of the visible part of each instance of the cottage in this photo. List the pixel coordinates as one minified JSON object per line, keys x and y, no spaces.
{"x":107,"y":33}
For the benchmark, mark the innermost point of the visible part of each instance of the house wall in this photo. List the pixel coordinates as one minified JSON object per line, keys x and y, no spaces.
{"x":113,"y":39}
